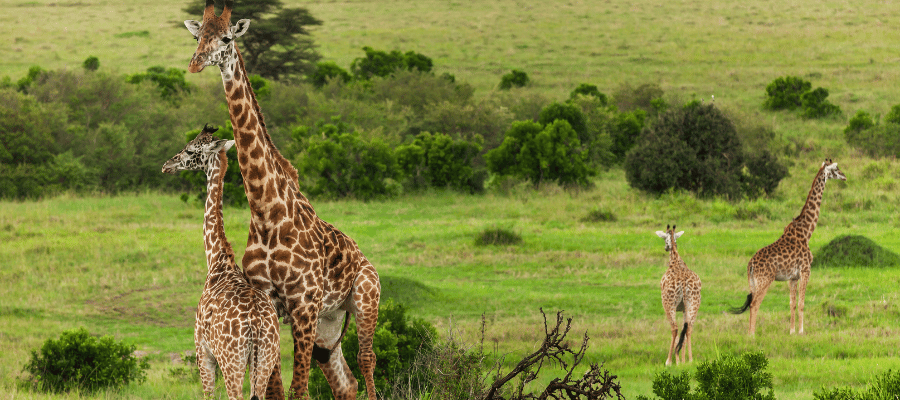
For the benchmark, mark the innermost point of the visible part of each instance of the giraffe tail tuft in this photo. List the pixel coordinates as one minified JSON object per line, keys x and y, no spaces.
{"x":321,"y":354}
{"x":741,"y":309}
{"x":254,"y":397}
{"x":681,"y":338}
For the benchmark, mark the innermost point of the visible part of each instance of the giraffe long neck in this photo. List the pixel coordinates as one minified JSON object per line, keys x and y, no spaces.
{"x":213,"y":222}
{"x":267,"y":174}
{"x":674,"y":258}
{"x":804,"y":224}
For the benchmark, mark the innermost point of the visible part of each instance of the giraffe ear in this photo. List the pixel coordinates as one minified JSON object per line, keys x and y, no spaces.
{"x":662,"y":234}
{"x":193,"y":27}
{"x":228,"y":144}
{"x":240,"y":27}
{"x":678,"y":235}
{"x":219,"y":145}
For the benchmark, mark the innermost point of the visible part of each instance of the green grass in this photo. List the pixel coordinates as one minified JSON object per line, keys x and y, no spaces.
{"x":132,"y":266}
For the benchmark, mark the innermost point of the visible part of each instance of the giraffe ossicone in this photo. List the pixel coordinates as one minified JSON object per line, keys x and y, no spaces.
{"x":236,"y":325}
{"x":316,"y":274}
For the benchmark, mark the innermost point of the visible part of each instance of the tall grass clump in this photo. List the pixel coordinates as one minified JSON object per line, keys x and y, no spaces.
{"x":498,"y":237}
{"x":885,"y":386}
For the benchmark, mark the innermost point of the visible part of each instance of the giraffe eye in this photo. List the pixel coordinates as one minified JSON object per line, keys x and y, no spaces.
{"x":197,"y":38}
{"x":226,"y":40}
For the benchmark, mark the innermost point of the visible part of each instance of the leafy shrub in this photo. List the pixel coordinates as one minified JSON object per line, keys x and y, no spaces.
{"x":418,"y":91}
{"x":80,"y":361}
{"x":33,"y":73}
{"x":860,"y":122}
{"x":260,"y":85}
{"x":567,"y":112}
{"x":551,"y":153}
{"x":339,"y":163}
{"x":91,"y":63}
{"x":696,"y":148}
{"x":624,"y":129}
{"x":885,"y":386}
{"x":514,"y":78}
{"x":784,"y":93}
{"x":854,"y":251}
{"x":815,"y":105}
{"x":468,"y":120}
{"x":169,"y":81}
{"x":727,"y":378}
{"x":498,"y":237}
{"x":329,"y":70}
{"x":893,"y":116}
{"x":439,"y":161}
{"x":381,"y":63}
{"x":398,"y":339}
{"x":586,"y":89}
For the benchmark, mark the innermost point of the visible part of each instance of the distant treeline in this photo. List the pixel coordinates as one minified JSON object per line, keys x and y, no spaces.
{"x":390,"y":126}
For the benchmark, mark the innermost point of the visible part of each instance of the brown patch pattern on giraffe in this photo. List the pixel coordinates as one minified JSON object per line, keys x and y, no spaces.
{"x":236,"y":324}
{"x":789,"y":258}
{"x":680,"y":290}
{"x":315,"y":273}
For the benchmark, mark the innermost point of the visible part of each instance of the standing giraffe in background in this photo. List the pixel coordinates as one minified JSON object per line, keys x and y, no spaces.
{"x":680,"y":289}
{"x":789,"y":258}
{"x":315,"y":273}
{"x":236,"y":324}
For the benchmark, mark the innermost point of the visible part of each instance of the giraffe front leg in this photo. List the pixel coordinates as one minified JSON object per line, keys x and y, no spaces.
{"x":802,"y":293}
{"x":303,"y":330}
{"x":366,"y":296}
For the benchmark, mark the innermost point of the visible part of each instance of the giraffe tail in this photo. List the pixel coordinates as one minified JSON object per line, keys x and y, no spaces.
{"x":681,"y":338}
{"x":741,"y":309}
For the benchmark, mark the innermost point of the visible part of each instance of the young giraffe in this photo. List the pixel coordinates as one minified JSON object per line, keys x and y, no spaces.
{"x":789,"y":258}
{"x":680,"y":289}
{"x":315,"y":273}
{"x":236,"y":324}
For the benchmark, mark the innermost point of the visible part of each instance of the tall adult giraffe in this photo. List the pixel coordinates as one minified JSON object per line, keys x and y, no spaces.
{"x":789,"y":258}
{"x":314,"y":272}
{"x":680,"y":291}
{"x":236,"y":324}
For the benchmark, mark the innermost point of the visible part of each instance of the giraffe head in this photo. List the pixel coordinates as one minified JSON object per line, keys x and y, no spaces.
{"x":215,"y":37}
{"x":200,"y":154}
{"x":669,"y":235}
{"x":831,"y":171}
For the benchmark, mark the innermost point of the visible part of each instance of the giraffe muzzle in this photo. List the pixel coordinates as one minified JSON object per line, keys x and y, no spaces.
{"x":198,"y":62}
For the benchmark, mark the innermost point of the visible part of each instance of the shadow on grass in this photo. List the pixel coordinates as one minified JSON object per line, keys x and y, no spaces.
{"x":406,"y":291}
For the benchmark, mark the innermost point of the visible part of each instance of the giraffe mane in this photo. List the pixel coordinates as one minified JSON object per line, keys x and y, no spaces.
{"x":283,"y":162}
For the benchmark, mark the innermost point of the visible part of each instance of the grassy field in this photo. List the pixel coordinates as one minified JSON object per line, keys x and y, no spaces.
{"x":132,"y":266}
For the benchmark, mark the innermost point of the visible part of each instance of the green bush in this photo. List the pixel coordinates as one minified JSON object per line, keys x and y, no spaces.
{"x":644,"y":97}
{"x":339,"y":163}
{"x":815,"y":106}
{"x":514,"y":78}
{"x":439,"y":161}
{"x":170,"y":82}
{"x":418,"y":91}
{"x":260,"y":85}
{"x":381,"y":63}
{"x":893,"y":115}
{"x":586,"y":89}
{"x":83,"y":362}
{"x":860,"y":122}
{"x":91,"y":63}
{"x":624,"y":129}
{"x":469,"y":120}
{"x":537,"y":153}
{"x":741,"y":377}
{"x":696,"y":148}
{"x":567,"y":112}
{"x":784,"y":93}
{"x":329,"y":70}
{"x":885,"y":386}
{"x":398,"y":339}
{"x":25,"y":82}
{"x":598,"y":215}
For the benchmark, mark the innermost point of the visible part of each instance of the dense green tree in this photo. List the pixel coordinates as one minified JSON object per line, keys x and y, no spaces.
{"x":541,"y":153}
{"x":514,"y":78}
{"x":278,"y":45}
{"x":328,"y":70}
{"x":382,"y":63}
{"x":438,"y":161}
{"x":170,"y":82}
{"x":586,"y":89}
{"x":784,"y":93}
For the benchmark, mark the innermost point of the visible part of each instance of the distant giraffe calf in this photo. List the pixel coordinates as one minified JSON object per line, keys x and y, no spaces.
{"x":680,"y":289}
{"x":789,"y":258}
{"x":236,"y":324}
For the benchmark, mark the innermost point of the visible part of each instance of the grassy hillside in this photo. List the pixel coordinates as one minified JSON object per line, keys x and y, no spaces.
{"x":132,"y":266}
